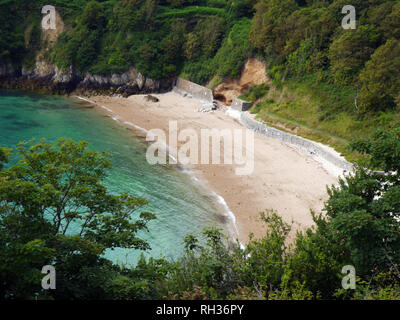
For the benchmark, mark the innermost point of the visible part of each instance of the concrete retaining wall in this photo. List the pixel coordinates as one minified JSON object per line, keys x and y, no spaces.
{"x":240,"y":105}
{"x":311,"y":146}
{"x":205,"y":94}
{"x":197,"y":91}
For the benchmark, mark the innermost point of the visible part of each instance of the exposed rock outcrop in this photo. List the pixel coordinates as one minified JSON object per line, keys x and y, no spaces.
{"x":50,"y":79}
{"x":253,"y":73}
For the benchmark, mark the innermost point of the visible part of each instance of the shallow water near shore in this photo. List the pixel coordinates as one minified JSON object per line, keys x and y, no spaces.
{"x":180,"y":204}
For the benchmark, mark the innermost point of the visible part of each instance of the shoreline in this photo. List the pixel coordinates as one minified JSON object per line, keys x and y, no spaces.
{"x":280,"y":173}
{"x":231,"y":226}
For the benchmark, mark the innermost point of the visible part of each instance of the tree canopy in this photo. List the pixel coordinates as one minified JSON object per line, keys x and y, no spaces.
{"x":55,"y":210}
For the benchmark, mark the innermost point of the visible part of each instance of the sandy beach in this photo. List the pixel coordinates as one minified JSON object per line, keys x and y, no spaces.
{"x":285,"y":179}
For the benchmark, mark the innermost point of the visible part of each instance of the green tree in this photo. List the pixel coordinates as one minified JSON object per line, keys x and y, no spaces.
{"x":210,"y":32}
{"x":241,"y":8}
{"x":192,"y":46}
{"x":12,"y":48}
{"x":349,"y":52}
{"x":172,"y":44}
{"x":365,"y":208}
{"x":268,"y":25}
{"x":54,"y":209}
{"x":391,"y":23}
{"x":205,"y":271}
{"x":87,"y":50}
{"x":261,"y":264}
{"x":93,"y":16}
{"x":380,"y":80}
{"x":233,"y":53}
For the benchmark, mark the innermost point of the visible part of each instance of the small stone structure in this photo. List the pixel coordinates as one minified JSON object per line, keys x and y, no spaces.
{"x":240,"y":105}
{"x":208,"y":107}
{"x":309,"y":145}
{"x":195,"y":90}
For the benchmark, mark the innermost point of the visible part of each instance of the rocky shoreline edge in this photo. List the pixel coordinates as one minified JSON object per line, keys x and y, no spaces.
{"x":70,"y":81}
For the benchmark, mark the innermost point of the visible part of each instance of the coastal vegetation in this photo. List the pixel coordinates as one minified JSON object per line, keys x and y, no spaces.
{"x":327,"y":83}
{"x":330,"y":84}
{"x":51,"y":188}
{"x":54,"y":209}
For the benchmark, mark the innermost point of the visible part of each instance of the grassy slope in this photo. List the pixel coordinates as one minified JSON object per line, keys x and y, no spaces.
{"x":306,"y":107}
{"x":309,"y":107}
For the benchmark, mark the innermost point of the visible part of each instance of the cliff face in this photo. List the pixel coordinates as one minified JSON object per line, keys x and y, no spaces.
{"x":50,"y":79}
{"x":253,"y":73}
{"x":46,"y":77}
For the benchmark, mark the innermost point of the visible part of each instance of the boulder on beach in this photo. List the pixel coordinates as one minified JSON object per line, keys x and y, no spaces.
{"x":208,"y":107}
{"x":151,"y":98}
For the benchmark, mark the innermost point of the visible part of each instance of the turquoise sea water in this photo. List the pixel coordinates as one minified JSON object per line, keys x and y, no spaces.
{"x":180,"y":204}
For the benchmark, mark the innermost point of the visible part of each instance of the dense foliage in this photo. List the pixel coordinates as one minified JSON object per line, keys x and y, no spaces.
{"x":54,"y":210}
{"x":54,"y":189}
{"x":359,"y":226}
{"x":159,"y":38}
{"x":203,"y":39}
{"x":300,"y":39}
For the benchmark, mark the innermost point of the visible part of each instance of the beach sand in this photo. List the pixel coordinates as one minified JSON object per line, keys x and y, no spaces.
{"x":285,"y":178}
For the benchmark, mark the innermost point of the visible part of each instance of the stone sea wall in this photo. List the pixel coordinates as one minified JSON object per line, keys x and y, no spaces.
{"x":195,"y":90}
{"x":309,"y":145}
{"x":205,"y":94}
{"x":49,"y":79}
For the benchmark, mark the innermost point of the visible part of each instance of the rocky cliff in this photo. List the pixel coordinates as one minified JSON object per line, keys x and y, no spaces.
{"x":49,"y":79}
{"x":46,"y":77}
